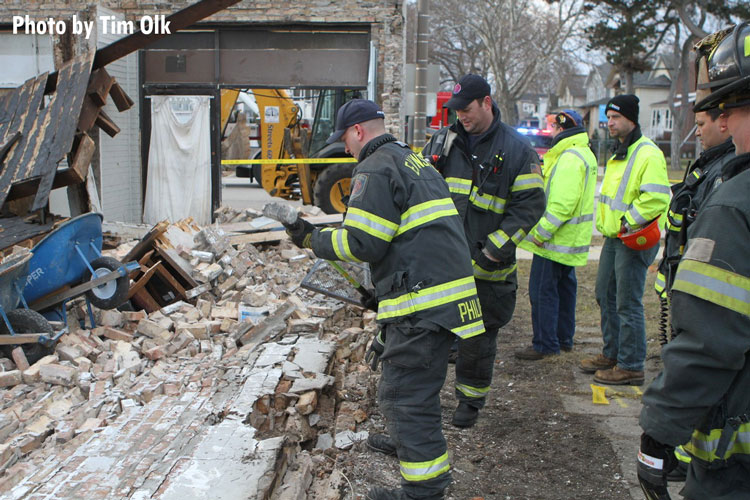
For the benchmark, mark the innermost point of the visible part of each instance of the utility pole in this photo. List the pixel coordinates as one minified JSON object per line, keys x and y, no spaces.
{"x":420,"y":78}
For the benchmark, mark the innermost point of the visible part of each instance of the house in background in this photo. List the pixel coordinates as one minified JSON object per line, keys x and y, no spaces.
{"x":532,"y":110}
{"x":597,"y":94}
{"x":571,"y":93}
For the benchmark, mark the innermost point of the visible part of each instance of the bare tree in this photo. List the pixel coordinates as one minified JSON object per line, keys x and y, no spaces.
{"x":509,"y":42}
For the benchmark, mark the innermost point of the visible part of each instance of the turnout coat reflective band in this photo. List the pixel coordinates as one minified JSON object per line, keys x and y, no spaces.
{"x":700,"y":399}
{"x":498,"y":191}
{"x":566,"y":227}
{"x":704,"y":176}
{"x":635,"y":189}
{"x":402,"y":221}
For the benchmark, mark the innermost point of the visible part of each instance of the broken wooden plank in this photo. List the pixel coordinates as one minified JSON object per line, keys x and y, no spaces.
{"x":146,"y":243}
{"x":122,"y":101}
{"x":82,"y":156}
{"x":167,"y":276}
{"x":100,"y":84}
{"x":252,"y":227}
{"x":265,"y":237}
{"x":171,"y":257}
{"x":104,"y":122}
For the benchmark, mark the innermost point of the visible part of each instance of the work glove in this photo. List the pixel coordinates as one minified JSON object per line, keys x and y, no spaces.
{"x":655,"y":461}
{"x":300,"y":233}
{"x":481,"y":260}
{"x":370,"y":302}
{"x":372,"y":356}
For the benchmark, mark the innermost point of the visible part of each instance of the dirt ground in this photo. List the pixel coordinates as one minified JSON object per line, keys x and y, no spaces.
{"x":525,"y":445}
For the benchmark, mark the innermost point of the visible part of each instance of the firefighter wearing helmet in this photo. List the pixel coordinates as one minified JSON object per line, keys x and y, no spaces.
{"x":700,"y":399}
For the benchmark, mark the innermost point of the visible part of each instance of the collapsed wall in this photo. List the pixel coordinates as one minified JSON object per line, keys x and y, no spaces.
{"x":188,"y":402}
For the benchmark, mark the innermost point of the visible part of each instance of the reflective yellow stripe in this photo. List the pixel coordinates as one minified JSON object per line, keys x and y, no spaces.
{"x":470,"y":330}
{"x":340,"y":242}
{"x":498,"y":238}
{"x":518,"y":236}
{"x":660,"y":282}
{"x":472,"y":392}
{"x":426,"y":212}
{"x":714,"y":284}
{"x":487,"y":202}
{"x":422,"y":471}
{"x":681,"y":455}
{"x":371,"y":224}
{"x":705,"y":446}
{"x":527,"y":181}
{"x":499,"y":275}
{"x":458,"y":185}
{"x":427,"y":298}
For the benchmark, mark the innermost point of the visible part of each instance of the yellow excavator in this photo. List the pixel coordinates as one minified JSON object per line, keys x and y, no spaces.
{"x":282,"y":137}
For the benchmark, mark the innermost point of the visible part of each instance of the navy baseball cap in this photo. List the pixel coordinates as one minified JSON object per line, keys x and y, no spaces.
{"x":568,"y":118}
{"x":468,"y":88}
{"x":353,"y":112}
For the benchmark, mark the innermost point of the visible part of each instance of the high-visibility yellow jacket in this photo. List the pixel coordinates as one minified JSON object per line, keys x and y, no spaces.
{"x":634,"y":190}
{"x":566,"y":227}
{"x":700,"y":399}
{"x":401,"y":220}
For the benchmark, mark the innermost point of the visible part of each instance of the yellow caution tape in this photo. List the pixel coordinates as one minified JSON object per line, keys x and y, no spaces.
{"x":295,"y":161}
{"x":598,"y":392}
{"x":288,"y":161}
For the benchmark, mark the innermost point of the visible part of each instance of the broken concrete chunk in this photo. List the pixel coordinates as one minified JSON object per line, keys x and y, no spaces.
{"x":307,"y":403}
{"x":32,"y":375}
{"x":149,"y":328}
{"x":68,"y":352}
{"x":58,"y":374}
{"x":11,"y":378}
{"x":115,"y":334}
{"x":346,"y":439}
{"x":111,"y":317}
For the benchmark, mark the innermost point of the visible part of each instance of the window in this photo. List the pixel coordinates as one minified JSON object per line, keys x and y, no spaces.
{"x":661,"y":120}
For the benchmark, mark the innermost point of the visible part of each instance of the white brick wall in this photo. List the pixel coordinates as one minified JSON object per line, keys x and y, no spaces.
{"x":120,"y":156}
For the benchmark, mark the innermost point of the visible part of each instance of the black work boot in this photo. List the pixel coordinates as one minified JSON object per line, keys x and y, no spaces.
{"x":465,"y":416}
{"x":380,"y":493}
{"x":381,"y":443}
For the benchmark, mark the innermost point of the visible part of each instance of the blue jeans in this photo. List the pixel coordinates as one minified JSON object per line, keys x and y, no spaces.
{"x":619,"y":293}
{"x":552,"y":293}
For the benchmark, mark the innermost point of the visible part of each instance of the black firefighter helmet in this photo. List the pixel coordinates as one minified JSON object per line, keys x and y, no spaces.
{"x":723,"y":69}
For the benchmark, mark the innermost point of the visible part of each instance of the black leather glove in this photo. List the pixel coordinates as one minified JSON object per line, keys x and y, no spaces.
{"x":300,"y":233}
{"x":370,"y":302}
{"x":372,"y":356}
{"x":485,"y":263}
{"x":655,"y":461}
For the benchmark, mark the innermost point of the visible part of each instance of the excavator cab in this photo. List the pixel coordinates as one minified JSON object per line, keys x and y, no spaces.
{"x":331,"y":181}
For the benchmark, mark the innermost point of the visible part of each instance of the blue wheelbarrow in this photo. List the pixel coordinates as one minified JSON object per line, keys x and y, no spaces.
{"x":22,"y":326}
{"x":68,"y":263}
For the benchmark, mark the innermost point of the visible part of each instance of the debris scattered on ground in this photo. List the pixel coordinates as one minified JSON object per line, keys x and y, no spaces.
{"x":245,"y":319}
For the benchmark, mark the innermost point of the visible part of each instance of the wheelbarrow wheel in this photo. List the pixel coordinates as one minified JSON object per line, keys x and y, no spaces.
{"x":28,"y":321}
{"x":112,"y":293}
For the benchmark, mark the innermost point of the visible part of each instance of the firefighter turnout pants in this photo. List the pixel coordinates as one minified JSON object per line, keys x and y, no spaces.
{"x":415,"y":362}
{"x":476,"y":355}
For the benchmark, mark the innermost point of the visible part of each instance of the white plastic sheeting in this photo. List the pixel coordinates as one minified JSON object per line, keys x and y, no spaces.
{"x":178,"y":183}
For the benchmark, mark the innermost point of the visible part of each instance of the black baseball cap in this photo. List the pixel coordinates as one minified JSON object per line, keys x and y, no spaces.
{"x":468,"y":88}
{"x":353,"y":112}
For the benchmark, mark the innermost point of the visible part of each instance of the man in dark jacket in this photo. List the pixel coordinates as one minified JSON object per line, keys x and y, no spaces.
{"x":402,"y":221}
{"x":495,"y":181}
{"x":701,"y":179}
{"x":700,"y":399}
